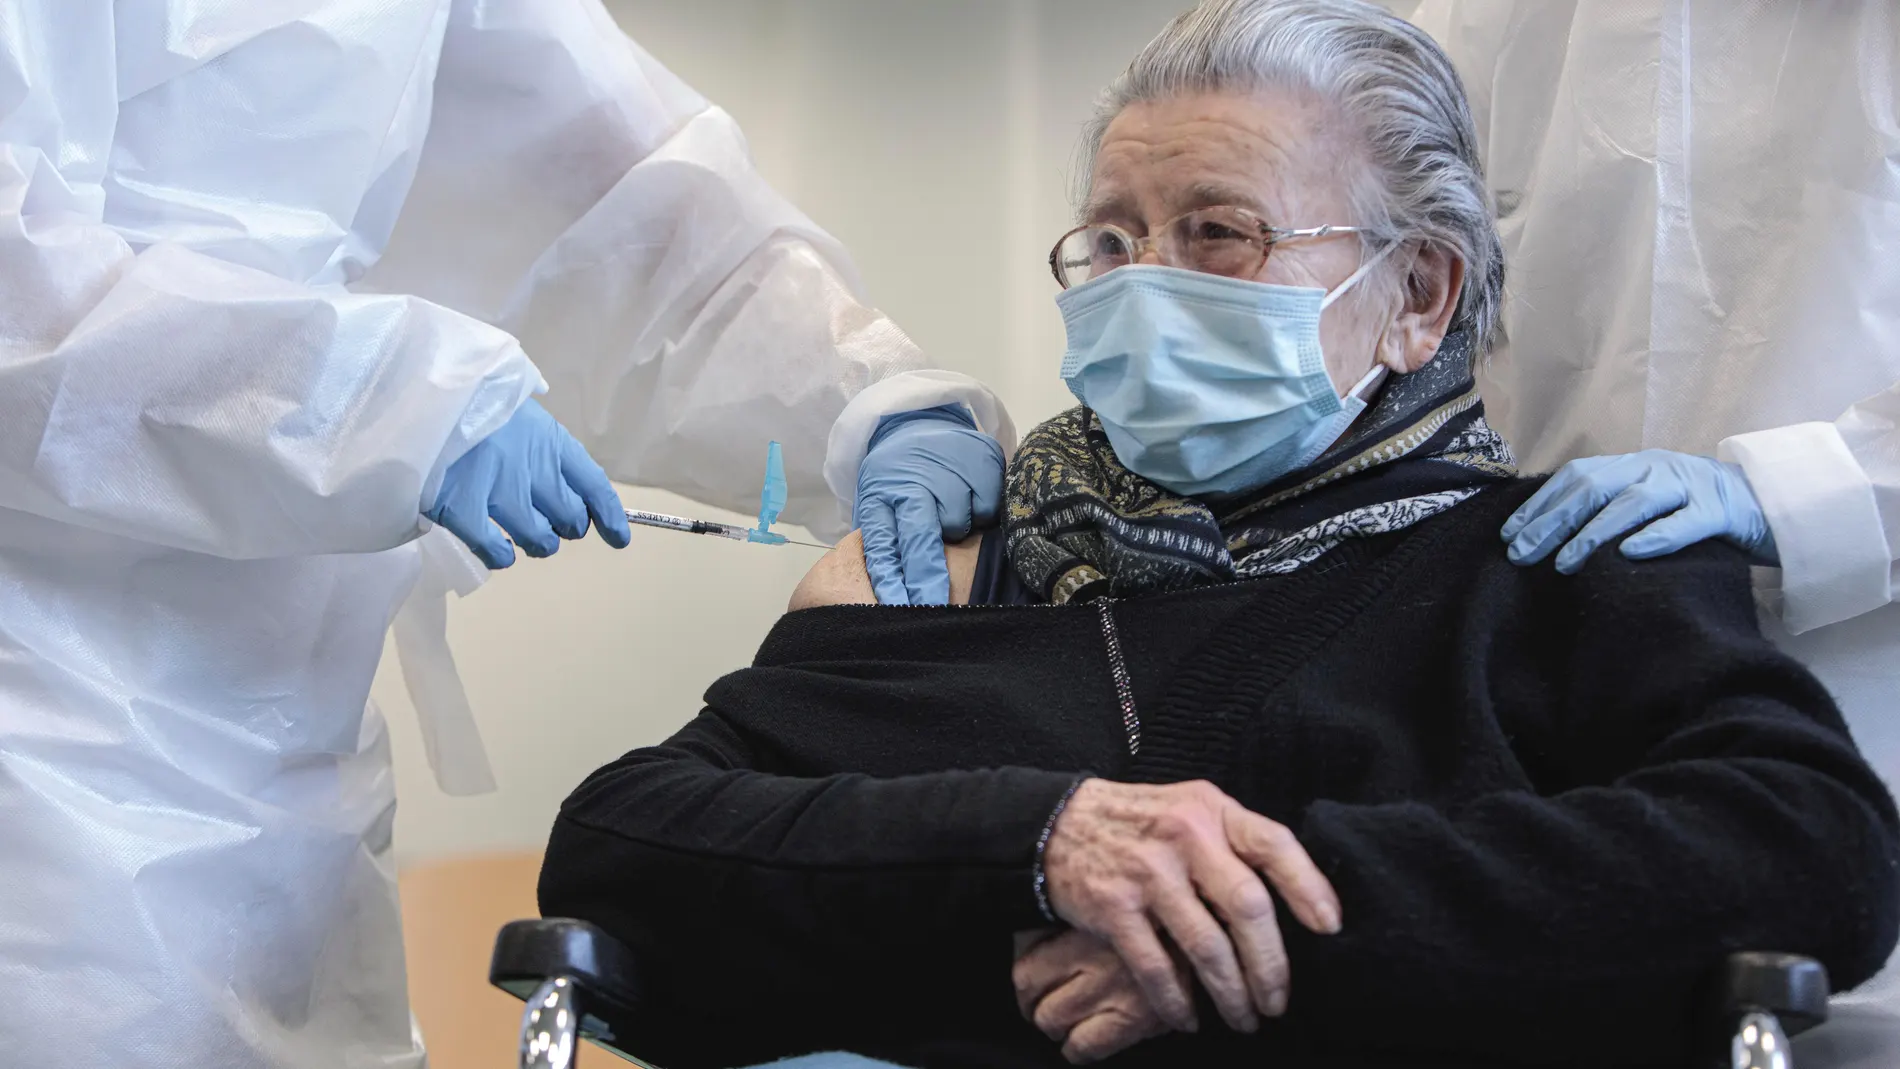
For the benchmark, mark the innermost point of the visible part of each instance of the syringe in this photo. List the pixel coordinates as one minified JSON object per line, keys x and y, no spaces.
{"x":712,"y":527}
{"x":771,"y":500}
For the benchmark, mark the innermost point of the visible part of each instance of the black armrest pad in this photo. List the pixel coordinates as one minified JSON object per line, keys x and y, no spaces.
{"x":1791,"y":987}
{"x":530,"y":952}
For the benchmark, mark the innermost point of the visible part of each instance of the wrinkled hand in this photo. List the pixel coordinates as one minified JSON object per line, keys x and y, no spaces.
{"x":1076,"y":990}
{"x":1690,"y":498}
{"x":1123,"y":856}
{"x":930,"y":477}
{"x":536,"y":481}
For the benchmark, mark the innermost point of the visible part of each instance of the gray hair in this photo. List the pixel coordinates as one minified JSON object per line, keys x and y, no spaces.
{"x":1387,"y":77}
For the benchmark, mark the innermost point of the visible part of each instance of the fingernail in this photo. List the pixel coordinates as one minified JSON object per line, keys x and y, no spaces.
{"x":1276,"y":1004}
{"x":1328,"y":917}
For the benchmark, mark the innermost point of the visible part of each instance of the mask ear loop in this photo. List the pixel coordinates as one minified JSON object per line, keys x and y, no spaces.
{"x":1354,"y":278}
{"x":1365,"y":387}
{"x":1377,"y":375}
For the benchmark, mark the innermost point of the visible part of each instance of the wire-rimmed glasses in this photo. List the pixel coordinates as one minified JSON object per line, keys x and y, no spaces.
{"x":1232,"y":242}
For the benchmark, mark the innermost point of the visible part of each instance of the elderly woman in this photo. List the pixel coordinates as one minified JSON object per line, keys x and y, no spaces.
{"x":1288,"y":766}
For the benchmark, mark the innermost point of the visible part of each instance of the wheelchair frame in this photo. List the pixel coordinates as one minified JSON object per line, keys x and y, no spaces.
{"x":580,"y":983}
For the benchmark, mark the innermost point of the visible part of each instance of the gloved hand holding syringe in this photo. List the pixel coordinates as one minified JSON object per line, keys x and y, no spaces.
{"x":771,"y":502}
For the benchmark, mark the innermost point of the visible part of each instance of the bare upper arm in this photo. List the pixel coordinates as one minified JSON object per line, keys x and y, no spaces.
{"x":839,"y":577}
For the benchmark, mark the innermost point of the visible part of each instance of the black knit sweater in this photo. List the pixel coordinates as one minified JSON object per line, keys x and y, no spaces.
{"x":1540,"y":799}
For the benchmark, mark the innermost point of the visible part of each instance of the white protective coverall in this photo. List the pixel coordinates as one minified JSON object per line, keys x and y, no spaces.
{"x":1700,"y":205}
{"x":218,"y":425}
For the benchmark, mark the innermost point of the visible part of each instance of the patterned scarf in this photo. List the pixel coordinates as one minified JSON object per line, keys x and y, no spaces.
{"x":1081,"y":526}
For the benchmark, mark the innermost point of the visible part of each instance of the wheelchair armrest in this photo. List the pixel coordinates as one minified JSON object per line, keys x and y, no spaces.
{"x":1792,"y":988}
{"x":531,"y":952}
{"x":1763,"y":999}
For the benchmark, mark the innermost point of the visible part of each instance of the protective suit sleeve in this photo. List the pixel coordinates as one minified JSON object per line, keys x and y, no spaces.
{"x":1831,"y":492}
{"x":683,"y":312}
{"x":164,"y":394}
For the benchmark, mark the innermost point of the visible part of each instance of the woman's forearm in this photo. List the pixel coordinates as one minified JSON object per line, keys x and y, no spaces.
{"x":1502,"y":917}
{"x":686,"y":850}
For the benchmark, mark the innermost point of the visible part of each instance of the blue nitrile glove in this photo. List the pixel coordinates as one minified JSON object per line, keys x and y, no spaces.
{"x":1690,"y":498}
{"x":929,"y":477}
{"x":536,"y":481}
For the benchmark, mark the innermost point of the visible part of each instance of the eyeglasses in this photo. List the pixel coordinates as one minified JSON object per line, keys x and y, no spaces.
{"x":1232,"y":242}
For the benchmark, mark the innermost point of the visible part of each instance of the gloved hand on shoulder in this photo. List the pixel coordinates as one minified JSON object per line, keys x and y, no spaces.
{"x":929,"y":477}
{"x":1597,"y":499}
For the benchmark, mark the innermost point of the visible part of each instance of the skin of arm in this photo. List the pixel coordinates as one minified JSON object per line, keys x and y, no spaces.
{"x":840,"y":578}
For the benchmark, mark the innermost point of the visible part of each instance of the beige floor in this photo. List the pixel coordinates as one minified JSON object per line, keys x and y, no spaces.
{"x":450,"y":912}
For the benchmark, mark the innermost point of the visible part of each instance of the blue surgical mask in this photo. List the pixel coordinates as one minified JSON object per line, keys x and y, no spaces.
{"x":1207,"y":385}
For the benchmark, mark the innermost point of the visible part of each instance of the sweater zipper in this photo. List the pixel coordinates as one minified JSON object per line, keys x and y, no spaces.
{"x":1118,"y":670}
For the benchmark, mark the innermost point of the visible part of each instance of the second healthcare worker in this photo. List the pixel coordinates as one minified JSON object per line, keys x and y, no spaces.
{"x":1701,"y":212}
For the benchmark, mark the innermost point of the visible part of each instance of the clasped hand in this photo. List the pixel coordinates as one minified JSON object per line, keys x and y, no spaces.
{"x":1124,"y":858}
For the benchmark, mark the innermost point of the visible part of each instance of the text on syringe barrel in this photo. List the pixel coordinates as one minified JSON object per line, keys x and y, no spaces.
{"x":658,"y":519}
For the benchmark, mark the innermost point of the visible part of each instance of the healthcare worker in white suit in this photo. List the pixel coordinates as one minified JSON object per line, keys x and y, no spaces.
{"x":1701,"y":215}
{"x":278,"y":279}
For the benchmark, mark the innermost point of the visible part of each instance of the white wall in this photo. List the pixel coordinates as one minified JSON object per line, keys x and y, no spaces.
{"x":935,"y":137}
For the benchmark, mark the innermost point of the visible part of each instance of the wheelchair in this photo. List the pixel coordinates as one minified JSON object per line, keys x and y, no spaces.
{"x":580,"y":983}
